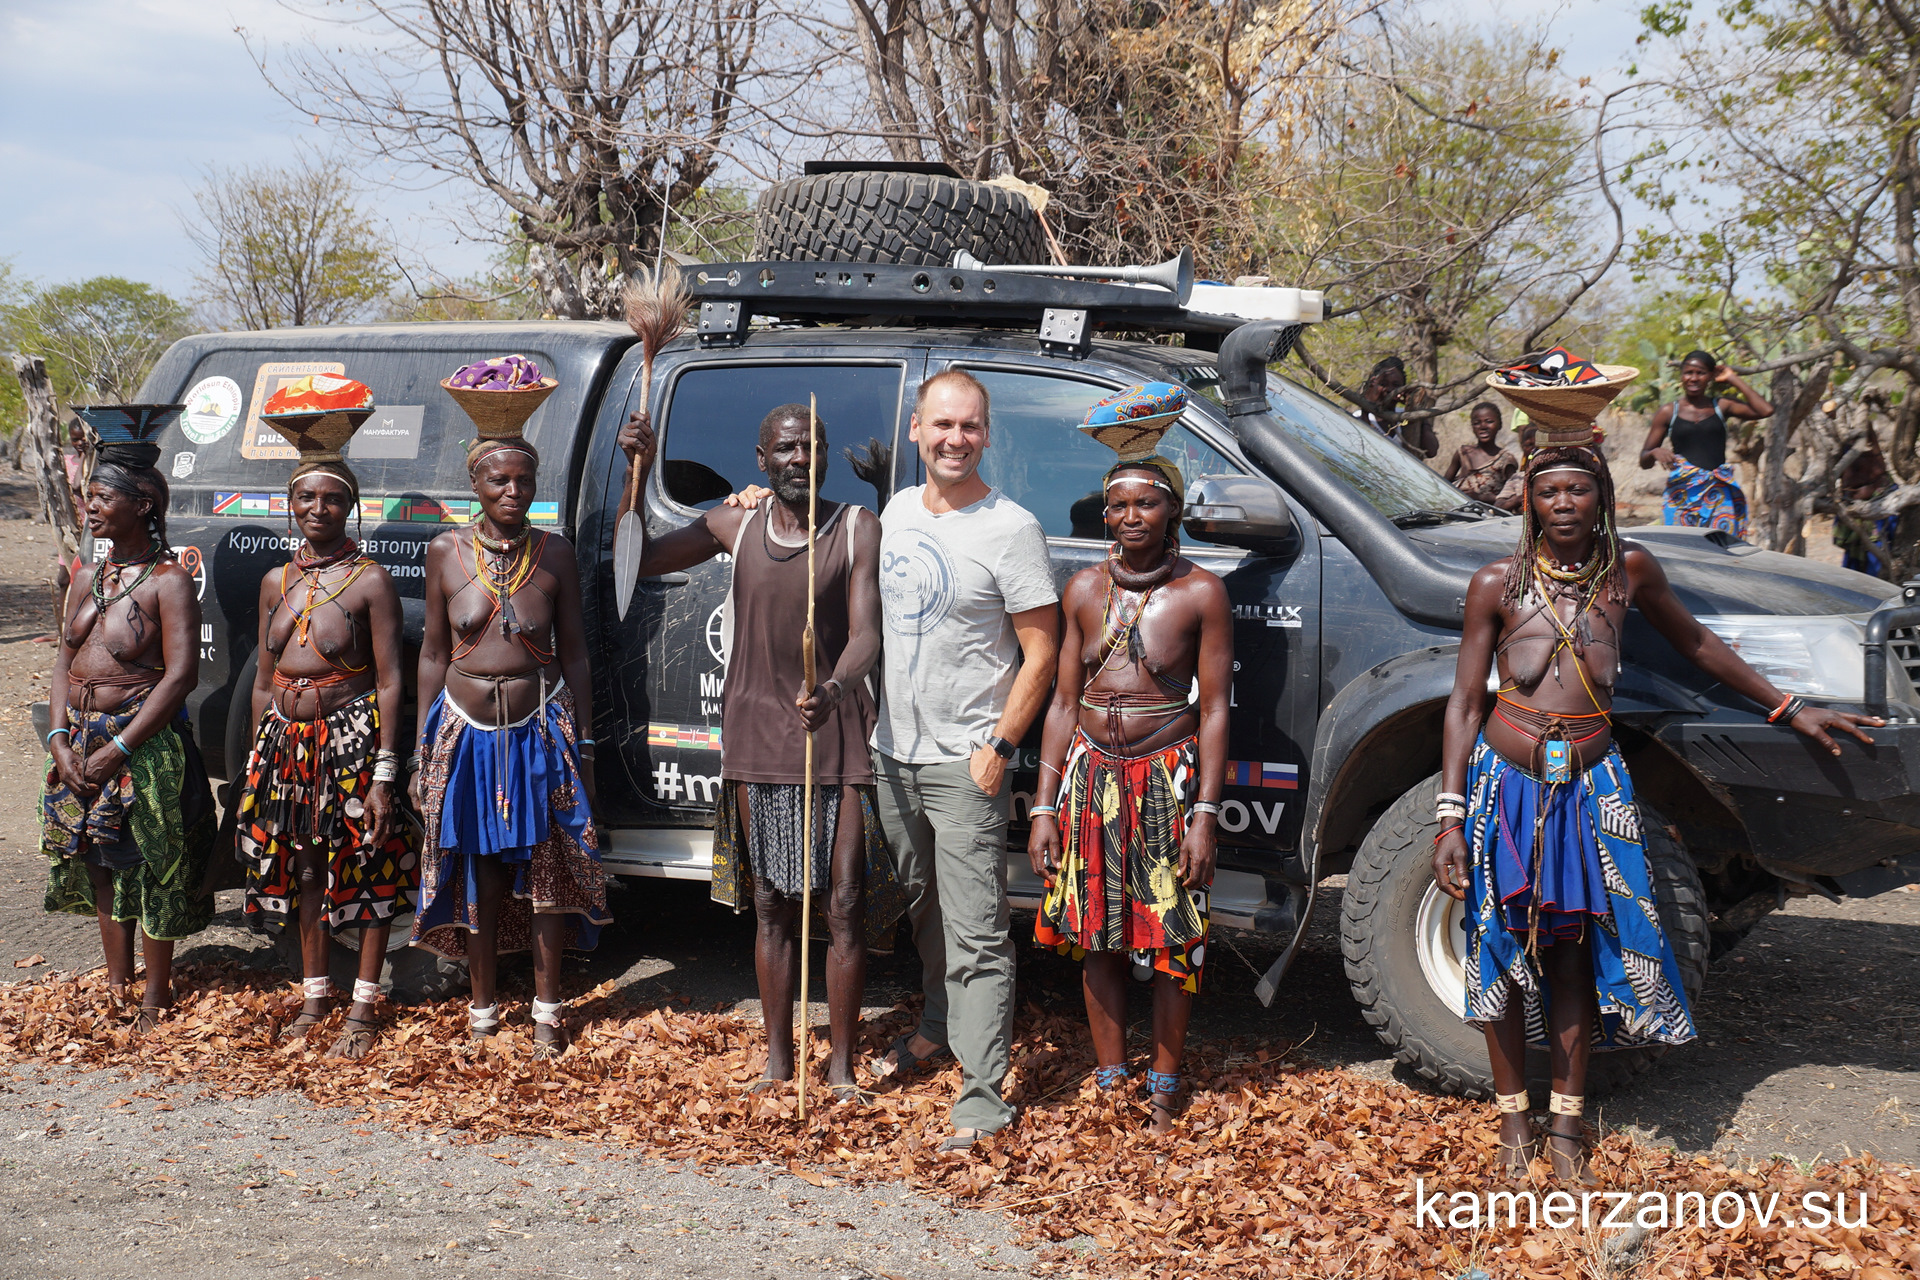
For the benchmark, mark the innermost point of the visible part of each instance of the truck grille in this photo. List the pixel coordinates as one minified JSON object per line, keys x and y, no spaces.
{"x":1904,"y":645}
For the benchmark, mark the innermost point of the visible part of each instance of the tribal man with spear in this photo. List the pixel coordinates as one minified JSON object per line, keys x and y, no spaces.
{"x":770,"y":709}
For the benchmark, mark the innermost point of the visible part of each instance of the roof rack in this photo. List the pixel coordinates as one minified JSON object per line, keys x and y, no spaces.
{"x":1067,"y":312}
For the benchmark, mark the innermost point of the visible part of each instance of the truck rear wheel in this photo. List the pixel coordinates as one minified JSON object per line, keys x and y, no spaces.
{"x":918,"y":219}
{"x":1405,"y":943}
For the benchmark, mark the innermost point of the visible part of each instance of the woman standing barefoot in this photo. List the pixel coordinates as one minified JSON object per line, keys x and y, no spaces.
{"x":1124,"y":818}
{"x":128,"y":821}
{"x":324,"y":841}
{"x":506,"y":780}
{"x":1540,"y":837}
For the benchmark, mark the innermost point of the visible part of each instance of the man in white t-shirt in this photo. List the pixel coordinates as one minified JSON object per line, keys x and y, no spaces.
{"x":972,"y":624}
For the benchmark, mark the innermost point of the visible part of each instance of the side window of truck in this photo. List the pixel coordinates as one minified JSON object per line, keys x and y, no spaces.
{"x":1039,"y":458}
{"x":713,"y":425}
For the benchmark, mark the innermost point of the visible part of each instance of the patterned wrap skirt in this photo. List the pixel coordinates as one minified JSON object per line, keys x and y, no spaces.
{"x":513,"y":793}
{"x":1554,"y":862}
{"x":307,"y":782}
{"x":1118,"y":888}
{"x":737,"y":857}
{"x":1702,"y":499}
{"x":152,"y":827}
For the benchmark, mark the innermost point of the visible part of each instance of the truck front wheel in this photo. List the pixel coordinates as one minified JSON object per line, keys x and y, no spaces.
{"x":1405,"y":946}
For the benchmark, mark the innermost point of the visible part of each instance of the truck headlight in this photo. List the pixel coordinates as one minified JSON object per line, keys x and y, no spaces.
{"x":1816,"y":656}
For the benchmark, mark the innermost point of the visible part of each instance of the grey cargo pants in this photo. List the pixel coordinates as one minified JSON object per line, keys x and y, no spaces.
{"x":949,"y":843}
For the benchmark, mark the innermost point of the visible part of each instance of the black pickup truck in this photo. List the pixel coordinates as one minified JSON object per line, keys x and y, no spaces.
{"x":1346,"y":560}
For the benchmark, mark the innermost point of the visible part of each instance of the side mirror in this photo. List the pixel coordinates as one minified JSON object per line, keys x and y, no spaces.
{"x":1241,"y":511}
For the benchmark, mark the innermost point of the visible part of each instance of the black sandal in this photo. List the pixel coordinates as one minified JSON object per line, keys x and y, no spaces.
{"x":906,"y":1064}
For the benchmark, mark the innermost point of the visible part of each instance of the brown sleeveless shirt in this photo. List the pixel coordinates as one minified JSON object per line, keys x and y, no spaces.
{"x":761,"y":737}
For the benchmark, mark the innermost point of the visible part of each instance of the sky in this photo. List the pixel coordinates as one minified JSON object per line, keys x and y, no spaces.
{"x":113,"y":109}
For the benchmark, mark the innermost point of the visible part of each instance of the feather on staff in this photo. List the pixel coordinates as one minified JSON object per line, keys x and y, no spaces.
{"x":657,"y":303}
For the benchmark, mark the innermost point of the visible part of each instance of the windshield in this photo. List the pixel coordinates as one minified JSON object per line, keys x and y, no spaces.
{"x":1393,"y":480}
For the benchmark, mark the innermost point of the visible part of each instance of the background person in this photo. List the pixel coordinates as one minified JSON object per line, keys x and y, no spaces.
{"x":1380,"y":398}
{"x":1689,"y":438}
{"x":766,"y":712}
{"x":320,"y":830}
{"x":1540,"y":836}
{"x":1483,"y":469}
{"x":968,"y":602}
{"x":1125,"y":817}
{"x":127,"y":817}
{"x":511,"y":857}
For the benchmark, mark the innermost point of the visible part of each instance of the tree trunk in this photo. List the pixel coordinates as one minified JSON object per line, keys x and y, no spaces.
{"x":1782,"y":525}
{"x":39,"y":449}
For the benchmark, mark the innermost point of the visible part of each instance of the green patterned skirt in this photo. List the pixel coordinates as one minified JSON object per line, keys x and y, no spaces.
{"x":151,"y":827}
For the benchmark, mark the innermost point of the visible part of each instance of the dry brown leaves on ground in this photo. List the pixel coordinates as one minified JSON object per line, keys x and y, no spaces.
{"x":1278,"y":1168}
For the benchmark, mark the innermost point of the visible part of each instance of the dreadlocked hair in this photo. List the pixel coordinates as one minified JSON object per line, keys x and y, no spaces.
{"x":1612,"y":571}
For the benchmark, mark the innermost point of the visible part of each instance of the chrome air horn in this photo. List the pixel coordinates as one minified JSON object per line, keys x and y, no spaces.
{"x":1174,"y":275}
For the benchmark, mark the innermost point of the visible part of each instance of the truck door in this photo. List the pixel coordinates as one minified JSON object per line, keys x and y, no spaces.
{"x":666,"y":659}
{"x":1038,"y":458}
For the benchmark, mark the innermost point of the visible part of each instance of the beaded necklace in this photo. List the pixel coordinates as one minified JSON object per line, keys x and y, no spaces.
{"x":311,"y":567}
{"x":501,"y":569}
{"x":147,"y":564}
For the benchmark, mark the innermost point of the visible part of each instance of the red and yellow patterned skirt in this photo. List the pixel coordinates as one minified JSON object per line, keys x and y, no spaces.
{"x":1118,"y":888}
{"x":307,"y":783}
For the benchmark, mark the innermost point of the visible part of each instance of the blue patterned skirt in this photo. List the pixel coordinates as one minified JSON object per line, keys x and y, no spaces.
{"x":1587,"y":876}
{"x":513,"y":793}
{"x":1702,"y":499}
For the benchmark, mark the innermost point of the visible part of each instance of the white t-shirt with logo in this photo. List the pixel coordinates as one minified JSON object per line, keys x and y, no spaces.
{"x":948,"y":584}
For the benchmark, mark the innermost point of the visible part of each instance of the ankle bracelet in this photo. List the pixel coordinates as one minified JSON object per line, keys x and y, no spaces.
{"x":1163,"y":1082}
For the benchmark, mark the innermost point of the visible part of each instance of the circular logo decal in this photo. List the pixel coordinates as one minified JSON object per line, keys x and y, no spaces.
{"x":717,"y":636}
{"x":917,"y":587}
{"x":213,"y":409}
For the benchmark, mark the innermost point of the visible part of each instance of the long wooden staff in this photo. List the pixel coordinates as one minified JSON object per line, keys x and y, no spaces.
{"x":806,"y":805}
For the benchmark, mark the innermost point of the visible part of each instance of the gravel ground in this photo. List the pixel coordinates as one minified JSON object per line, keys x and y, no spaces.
{"x":1806,"y":1050}
{"x":107,"y":1179}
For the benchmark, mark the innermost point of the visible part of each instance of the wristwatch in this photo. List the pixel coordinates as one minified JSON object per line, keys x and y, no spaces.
{"x":1001,"y":747}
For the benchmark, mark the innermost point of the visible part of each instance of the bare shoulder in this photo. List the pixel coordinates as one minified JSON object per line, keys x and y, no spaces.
{"x":443,"y":545}
{"x":1083,"y":585}
{"x":724,"y":522}
{"x":1203,"y":585}
{"x":1639,"y":561}
{"x":1489,"y":581}
{"x":172,"y":581}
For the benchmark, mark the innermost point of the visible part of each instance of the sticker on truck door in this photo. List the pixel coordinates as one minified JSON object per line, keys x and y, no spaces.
{"x":213,"y":408}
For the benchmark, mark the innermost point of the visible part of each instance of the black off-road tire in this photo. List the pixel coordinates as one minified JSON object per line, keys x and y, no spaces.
{"x":1389,"y":878}
{"x":917,"y":219}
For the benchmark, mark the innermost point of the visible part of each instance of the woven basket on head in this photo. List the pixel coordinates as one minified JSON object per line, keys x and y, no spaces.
{"x":1565,"y":415}
{"x":318,"y":436}
{"x":499,"y":415}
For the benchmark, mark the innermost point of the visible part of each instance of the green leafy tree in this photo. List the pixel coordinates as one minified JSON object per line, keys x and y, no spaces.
{"x":287,"y":246}
{"x":99,"y":337}
{"x":1793,"y":186}
{"x":1453,"y":179}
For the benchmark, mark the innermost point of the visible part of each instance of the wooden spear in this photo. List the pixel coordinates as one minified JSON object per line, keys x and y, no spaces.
{"x":657,"y":312}
{"x":806,"y":804}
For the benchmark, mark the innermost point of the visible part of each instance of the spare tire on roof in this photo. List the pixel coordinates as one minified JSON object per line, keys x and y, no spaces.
{"x":903,"y":214}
